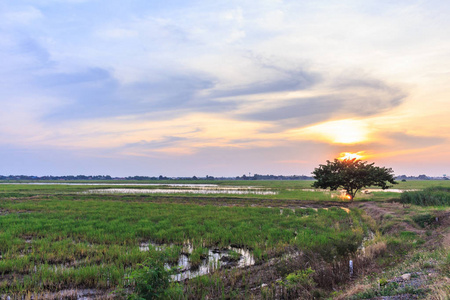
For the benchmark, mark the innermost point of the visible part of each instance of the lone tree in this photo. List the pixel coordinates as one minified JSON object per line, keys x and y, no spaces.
{"x":352,"y":175}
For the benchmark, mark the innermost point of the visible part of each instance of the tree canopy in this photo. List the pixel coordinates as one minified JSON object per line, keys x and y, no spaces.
{"x":352,"y":175}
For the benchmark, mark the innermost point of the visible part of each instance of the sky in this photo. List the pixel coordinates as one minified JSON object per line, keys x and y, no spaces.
{"x":222,"y":88}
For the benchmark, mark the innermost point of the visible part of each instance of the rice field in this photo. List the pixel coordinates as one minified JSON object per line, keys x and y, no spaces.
{"x":57,"y":237}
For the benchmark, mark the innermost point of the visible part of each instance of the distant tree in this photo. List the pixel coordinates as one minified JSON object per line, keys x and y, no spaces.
{"x":352,"y":175}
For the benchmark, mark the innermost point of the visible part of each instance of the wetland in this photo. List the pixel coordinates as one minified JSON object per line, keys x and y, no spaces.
{"x":56,"y":239}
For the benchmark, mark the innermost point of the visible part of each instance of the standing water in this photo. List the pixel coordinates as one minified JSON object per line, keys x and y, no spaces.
{"x":230,"y":257}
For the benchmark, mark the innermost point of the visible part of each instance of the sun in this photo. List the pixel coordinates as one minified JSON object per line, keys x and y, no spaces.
{"x":351,"y":155}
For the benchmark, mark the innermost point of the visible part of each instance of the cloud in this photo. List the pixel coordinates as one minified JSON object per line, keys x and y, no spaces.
{"x":96,"y":93}
{"x":93,"y":88}
{"x":397,"y":140}
{"x":22,"y":15}
{"x":292,"y":81}
{"x":270,"y":159}
{"x":298,"y":109}
{"x":32,"y":48}
{"x":91,"y":75}
{"x":345,"y":98}
{"x":399,"y":144}
{"x":234,"y":74}
{"x":118,"y":33}
{"x":404,"y":140}
{"x":166,"y":141}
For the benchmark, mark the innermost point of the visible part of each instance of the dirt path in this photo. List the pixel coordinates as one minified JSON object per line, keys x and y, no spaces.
{"x":385,"y":211}
{"x":394,"y":218}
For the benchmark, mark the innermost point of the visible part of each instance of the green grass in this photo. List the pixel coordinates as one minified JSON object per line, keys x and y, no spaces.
{"x":287,"y":190}
{"x":54,"y":237}
{"x":64,"y":240}
{"x":436,"y":196}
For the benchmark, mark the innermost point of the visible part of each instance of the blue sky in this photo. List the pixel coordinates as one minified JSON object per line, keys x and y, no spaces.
{"x":185,"y":88}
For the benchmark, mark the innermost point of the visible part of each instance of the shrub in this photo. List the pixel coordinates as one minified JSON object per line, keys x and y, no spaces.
{"x":298,"y":284}
{"x":301,"y":277}
{"x":152,"y":279}
{"x":424,"y":220}
{"x":375,"y":250}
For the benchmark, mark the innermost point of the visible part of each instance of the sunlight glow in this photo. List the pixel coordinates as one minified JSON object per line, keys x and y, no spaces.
{"x":346,"y":132}
{"x":347,"y":197}
{"x":340,"y":132}
{"x":350,"y":155}
{"x":344,"y":196}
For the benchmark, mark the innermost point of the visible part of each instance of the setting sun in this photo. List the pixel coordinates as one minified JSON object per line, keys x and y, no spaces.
{"x":349,"y":155}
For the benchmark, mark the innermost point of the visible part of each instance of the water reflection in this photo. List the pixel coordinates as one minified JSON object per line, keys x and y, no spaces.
{"x":113,"y":184}
{"x":229,"y":257}
{"x":204,"y":190}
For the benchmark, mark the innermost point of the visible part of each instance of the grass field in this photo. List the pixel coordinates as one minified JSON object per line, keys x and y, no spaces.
{"x":289,"y":189}
{"x":56,"y":237}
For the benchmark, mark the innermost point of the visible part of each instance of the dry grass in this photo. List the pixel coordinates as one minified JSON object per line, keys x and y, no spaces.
{"x":353,"y":290}
{"x":375,"y":250}
{"x":440,"y":290}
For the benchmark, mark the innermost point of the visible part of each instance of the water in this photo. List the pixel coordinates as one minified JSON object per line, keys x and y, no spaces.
{"x":388,"y":190}
{"x":203,"y":191}
{"x":366,"y":190}
{"x":117,"y":184}
{"x":178,"y":188}
{"x":216,"y":259}
{"x":316,"y":209}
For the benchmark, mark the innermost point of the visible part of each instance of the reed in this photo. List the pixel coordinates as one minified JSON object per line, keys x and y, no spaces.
{"x":431,"y":196}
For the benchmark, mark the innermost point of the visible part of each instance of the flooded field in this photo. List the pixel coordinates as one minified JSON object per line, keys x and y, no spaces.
{"x":201,"y":190}
{"x":159,"y":188}
{"x":111,"y":184}
{"x":57,"y":237}
{"x":213,"y":259}
{"x":388,"y":190}
{"x":365,"y":191}
{"x":84,"y":240}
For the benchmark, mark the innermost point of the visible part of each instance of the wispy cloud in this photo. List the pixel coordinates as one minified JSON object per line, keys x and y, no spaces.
{"x":229,"y":80}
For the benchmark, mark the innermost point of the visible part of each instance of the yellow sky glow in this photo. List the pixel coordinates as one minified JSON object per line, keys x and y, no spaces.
{"x":338,"y":132}
{"x":352,"y":155}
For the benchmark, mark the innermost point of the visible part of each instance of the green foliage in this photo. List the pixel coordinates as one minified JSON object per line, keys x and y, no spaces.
{"x":424,"y":220}
{"x":298,"y":284}
{"x":300,"y":277}
{"x":233,"y":255}
{"x":152,"y":279}
{"x":198,"y":255}
{"x":430,"y":196}
{"x":352,"y":175}
{"x":408,"y":235}
{"x":383,"y":281}
{"x":200,"y":287}
{"x":98,"y":236}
